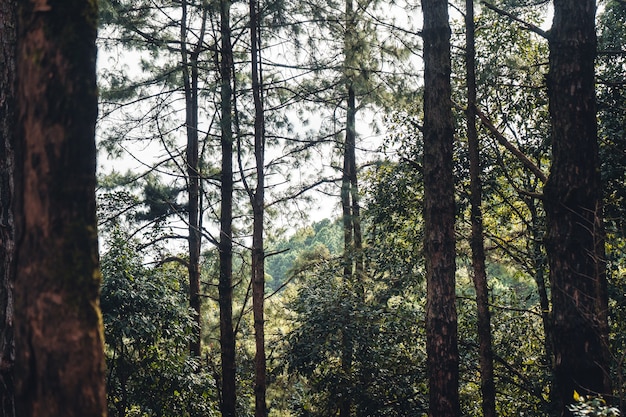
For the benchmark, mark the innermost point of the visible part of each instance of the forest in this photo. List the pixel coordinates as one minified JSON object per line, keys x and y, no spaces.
{"x":349,"y":208}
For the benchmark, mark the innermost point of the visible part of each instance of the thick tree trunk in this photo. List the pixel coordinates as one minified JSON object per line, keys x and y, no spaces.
{"x":487,"y":384}
{"x":439,"y":215}
{"x":59,"y":367}
{"x":8,"y":49}
{"x":225,"y":287}
{"x":258,"y":209}
{"x":573,"y":204}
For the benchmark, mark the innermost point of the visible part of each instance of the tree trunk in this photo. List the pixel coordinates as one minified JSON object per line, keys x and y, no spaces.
{"x":573,"y":204}
{"x":353,"y":268}
{"x":8,"y":52}
{"x":355,"y":209}
{"x":258,"y":209}
{"x":347,"y":347}
{"x":190,"y":75}
{"x":487,"y":384}
{"x":439,"y":215}
{"x":225,"y":287}
{"x":59,"y":368}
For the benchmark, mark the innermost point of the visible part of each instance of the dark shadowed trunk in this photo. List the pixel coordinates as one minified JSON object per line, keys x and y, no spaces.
{"x":8,"y":50}
{"x":487,"y":384}
{"x":227,"y":334}
{"x":59,"y":368}
{"x":573,"y":203}
{"x":439,"y":240}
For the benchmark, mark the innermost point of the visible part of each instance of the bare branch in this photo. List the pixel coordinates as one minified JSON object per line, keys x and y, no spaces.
{"x":510,"y":147}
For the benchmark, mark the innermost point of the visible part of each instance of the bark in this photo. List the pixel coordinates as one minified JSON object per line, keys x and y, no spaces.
{"x":355,"y":209}
{"x":348,"y":246}
{"x":225,"y":286}
{"x":258,"y":209}
{"x":573,"y":204}
{"x":8,"y":51}
{"x":439,"y":214}
{"x":353,"y":267}
{"x":190,"y":75}
{"x":487,"y":384}
{"x":59,"y":368}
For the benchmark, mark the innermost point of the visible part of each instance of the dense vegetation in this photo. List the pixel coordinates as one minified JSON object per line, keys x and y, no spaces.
{"x":345,"y":297}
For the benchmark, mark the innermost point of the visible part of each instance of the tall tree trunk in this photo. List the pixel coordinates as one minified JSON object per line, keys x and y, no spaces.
{"x":487,"y":384}
{"x":258,"y":210}
{"x":225,"y":287}
{"x":353,"y":268}
{"x":573,"y":203}
{"x":190,"y":75}
{"x":355,"y":209}
{"x":345,"y":404}
{"x":439,"y":215}
{"x":59,"y":368}
{"x":8,"y":50}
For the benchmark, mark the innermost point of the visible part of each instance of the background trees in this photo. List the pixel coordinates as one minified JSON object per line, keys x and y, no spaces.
{"x":343,"y":317}
{"x":148,"y":327}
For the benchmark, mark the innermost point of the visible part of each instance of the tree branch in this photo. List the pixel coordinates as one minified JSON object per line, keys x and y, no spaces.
{"x":526,"y":25}
{"x":510,"y":147}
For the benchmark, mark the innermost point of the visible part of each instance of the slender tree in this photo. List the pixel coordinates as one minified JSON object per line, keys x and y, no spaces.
{"x":573,"y":204}
{"x":477,"y":243}
{"x":7,"y":225}
{"x":439,"y":214}
{"x":353,"y":247}
{"x":59,"y":368}
{"x":190,"y":80}
{"x":257,"y":199}
{"x":227,"y":334}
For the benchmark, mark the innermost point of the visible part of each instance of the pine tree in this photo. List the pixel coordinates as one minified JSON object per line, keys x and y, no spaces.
{"x":439,"y":214}
{"x":59,"y":368}
{"x":573,"y":204}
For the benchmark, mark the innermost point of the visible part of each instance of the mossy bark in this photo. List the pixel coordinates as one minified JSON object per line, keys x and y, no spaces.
{"x":58,"y":327}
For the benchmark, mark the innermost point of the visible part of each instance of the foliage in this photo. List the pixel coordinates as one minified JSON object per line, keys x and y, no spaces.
{"x":321,"y":236}
{"x":147,"y":323}
{"x":385,"y":376}
{"x":591,"y":406}
{"x":147,"y":332}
